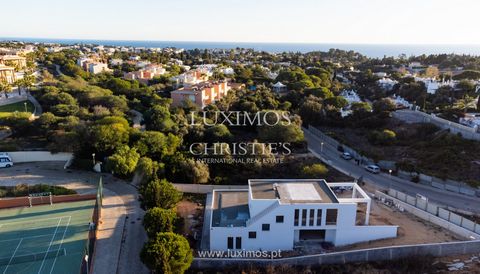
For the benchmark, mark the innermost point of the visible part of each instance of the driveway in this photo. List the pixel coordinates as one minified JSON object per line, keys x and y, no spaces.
{"x":120,"y":232}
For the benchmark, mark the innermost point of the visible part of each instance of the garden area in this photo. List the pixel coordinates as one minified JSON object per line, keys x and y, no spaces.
{"x":7,"y":110}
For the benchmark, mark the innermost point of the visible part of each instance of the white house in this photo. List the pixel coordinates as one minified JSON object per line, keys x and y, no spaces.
{"x":97,"y":68}
{"x":274,"y":214}
{"x":279,"y":87}
{"x":386,"y":83}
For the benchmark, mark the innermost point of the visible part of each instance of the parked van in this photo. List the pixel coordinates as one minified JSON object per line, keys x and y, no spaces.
{"x":5,"y":160}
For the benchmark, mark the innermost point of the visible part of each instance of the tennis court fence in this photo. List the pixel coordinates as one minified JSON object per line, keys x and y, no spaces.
{"x":89,"y":251}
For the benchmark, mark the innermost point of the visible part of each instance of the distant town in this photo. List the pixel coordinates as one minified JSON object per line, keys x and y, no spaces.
{"x":167,"y":160}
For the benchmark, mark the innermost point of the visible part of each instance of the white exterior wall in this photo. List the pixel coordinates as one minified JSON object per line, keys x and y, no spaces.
{"x":284,"y":235}
{"x":356,"y":234}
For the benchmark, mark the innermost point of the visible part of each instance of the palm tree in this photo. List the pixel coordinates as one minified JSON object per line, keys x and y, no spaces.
{"x":466,"y":103}
{"x":5,"y":87}
{"x":28,"y":80}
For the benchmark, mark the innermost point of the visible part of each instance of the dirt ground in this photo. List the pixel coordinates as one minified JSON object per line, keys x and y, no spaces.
{"x":411,"y":230}
{"x":190,"y":209}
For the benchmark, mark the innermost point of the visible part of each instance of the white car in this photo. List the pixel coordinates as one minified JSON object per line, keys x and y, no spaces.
{"x":5,"y":160}
{"x":347,"y":156}
{"x":373,"y":169}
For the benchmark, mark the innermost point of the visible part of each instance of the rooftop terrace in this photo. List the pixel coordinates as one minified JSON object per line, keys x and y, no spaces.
{"x":293,"y":191}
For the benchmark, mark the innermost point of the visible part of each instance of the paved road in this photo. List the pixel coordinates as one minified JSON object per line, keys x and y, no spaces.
{"x":38,"y":108}
{"x":330,"y":155}
{"x":57,"y":69}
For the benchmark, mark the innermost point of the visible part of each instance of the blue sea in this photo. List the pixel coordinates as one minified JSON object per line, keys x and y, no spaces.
{"x":370,"y":50}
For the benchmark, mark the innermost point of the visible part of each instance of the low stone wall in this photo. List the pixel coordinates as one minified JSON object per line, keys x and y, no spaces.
{"x":363,"y":255}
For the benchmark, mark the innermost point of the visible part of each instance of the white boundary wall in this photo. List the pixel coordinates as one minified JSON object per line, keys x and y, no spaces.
{"x":39,"y":156}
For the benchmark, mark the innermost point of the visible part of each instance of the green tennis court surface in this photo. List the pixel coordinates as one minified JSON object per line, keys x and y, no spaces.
{"x":44,"y":239}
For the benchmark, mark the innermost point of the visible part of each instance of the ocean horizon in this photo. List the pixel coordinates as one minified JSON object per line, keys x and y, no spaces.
{"x":369,"y":50}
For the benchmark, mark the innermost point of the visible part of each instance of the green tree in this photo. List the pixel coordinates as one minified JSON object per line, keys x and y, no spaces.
{"x":124,"y":160}
{"x":383,"y":105}
{"x":218,"y":133}
{"x":466,"y":103}
{"x":109,"y":133}
{"x":314,"y":171}
{"x":167,"y":253}
{"x":160,"y":193}
{"x":195,"y":172}
{"x":159,"y":220}
{"x":5,"y":87}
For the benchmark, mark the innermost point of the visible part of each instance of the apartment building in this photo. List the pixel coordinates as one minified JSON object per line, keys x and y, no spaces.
{"x":275,"y":214}
{"x":191,"y":77}
{"x":201,"y":94}
{"x":145,"y":74}
{"x":16,"y":61}
{"x":7,"y":74}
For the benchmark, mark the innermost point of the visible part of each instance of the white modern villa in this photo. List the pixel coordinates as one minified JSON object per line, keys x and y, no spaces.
{"x":281,"y":214}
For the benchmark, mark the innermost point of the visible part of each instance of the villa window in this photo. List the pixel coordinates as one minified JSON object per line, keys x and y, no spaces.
{"x":319,"y":217}
{"x":311,"y":219}
{"x":279,"y":219}
{"x":238,"y":243}
{"x":297,"y":214}
{"x":230,"y":242}
{"x":304,"y":217}
{"x":252,"y":235}
{"x":332,"y":216}
{"x":266,"y":227}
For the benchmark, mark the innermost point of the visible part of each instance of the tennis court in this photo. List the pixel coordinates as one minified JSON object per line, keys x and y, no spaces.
{"x":44,"y":239}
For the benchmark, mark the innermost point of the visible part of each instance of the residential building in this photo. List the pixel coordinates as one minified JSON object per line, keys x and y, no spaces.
{"x":7,"y":74}
{"x":387,"y":83}
{"x":280,"y":214}
{"x":201,"y":94}
{"x":98,"y":68}
{"x":145,"y":74}
{"x":16,"y":61}
{"x":279,"y":87}
{"x":191,"y":77}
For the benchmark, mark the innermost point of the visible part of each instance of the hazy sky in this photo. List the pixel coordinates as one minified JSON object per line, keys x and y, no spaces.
{"x":310,"y":21}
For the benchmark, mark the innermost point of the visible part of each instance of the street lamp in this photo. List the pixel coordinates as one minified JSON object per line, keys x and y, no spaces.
{"x":25,"y":104}
{"x":390,"y":172}
{"x":321,"y":147}
{"x":93,"y":157}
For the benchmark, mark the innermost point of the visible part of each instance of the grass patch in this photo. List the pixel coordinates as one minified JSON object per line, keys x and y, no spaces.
{"x":7,"y":110}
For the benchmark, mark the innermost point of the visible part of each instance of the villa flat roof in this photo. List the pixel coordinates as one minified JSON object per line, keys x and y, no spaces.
{"x":293,"y":191}
{"x":230,"y":208}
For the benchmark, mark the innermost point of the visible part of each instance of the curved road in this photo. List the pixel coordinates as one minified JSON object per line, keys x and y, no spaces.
{"x":330,"y":155}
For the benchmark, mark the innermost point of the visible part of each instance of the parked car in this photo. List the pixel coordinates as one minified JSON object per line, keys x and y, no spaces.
{"x":340,"y":148}
{"x":347,"y":156}
{"x":373,"y":169}
{"x":5,"y":160}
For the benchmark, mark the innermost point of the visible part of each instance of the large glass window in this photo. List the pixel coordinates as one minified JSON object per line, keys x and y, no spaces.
{"x":238,"y":243}
{"x":297,"y":214}
{"x":319,"y":217}
{"x":311,"y":219}
{"x":304,"y":217}
{"x":332,"y":216}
